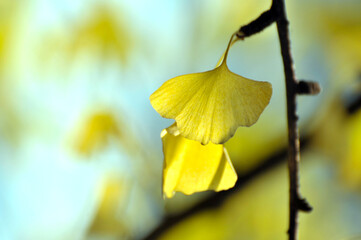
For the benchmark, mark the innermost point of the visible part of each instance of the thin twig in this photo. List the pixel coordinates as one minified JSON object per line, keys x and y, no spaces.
{"x":296,"y":202}
{"x":277,"y":13}
{"x":259,"y":24}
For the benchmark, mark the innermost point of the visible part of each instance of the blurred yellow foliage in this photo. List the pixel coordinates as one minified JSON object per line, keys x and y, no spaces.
{"x":257,"y":212}
{"x":351,"y":167}
{"x":206,"y":225}
{"x":191,"y":167}
{"x":108,"y":219}
{"x":338,"y":135}
{"x":241,"y":12}
{"x":4,"y":33}
{"x":8,"y":14}
{"x":96,"y":131}
{"x":330,"y":135}
{"x":104,"y":33}
{"x":10,"y":121}
{"x":218,"y":14}
{"x":252,"y":145}
{"x":341,"y":31}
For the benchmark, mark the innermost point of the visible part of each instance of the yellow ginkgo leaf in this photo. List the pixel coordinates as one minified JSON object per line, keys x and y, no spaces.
{"x":210,"y":106}
{"x":191,"y":167}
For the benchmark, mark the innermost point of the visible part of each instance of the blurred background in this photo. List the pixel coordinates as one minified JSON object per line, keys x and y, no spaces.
{"x":80,"y":151}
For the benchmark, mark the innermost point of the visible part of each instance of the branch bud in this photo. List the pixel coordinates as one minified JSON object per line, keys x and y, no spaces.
{"x":303,"y":205}
{"x":308,"y":87}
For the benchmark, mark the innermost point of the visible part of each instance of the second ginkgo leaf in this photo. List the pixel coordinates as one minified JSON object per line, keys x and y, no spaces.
{"x":191,"y":167}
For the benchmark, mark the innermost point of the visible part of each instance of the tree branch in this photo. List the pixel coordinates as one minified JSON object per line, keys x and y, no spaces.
{"x":277,"y":13}
{"x":258,"y":25}
{"x":292,"y":89}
